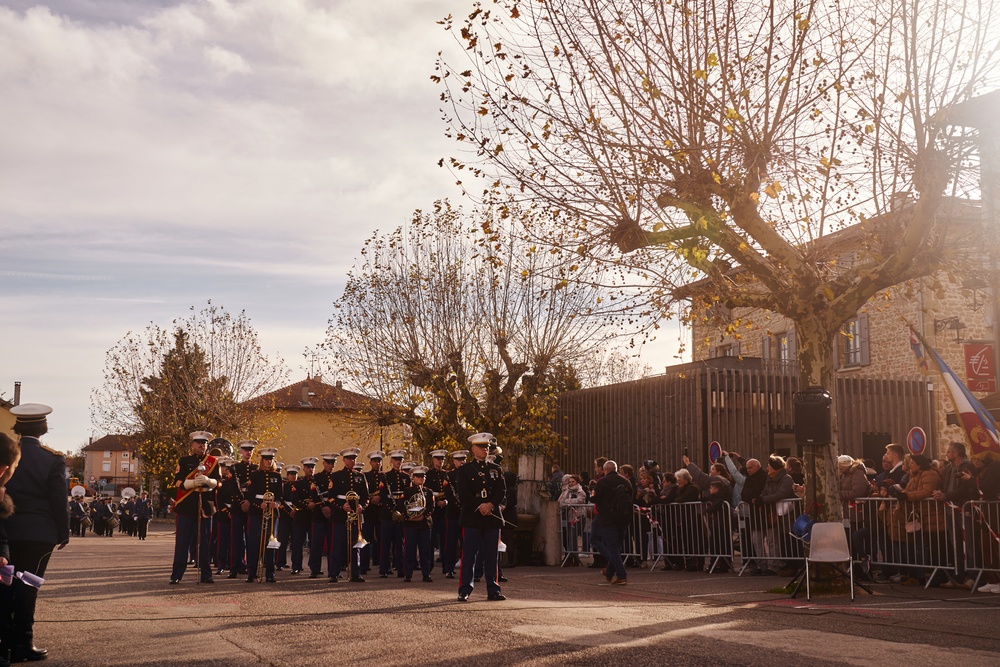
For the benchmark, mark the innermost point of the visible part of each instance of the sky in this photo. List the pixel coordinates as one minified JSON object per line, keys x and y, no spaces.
{"x":156,"y":155}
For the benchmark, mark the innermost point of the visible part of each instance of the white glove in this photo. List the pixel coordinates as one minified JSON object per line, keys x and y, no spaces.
{"x":190,"y":484}
{"x":201,"y":480}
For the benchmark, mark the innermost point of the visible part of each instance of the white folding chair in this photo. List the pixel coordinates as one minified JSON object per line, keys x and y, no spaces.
{"x":829,"y":545}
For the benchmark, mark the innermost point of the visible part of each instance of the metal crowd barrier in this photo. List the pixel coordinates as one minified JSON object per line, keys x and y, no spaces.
{"x":576,"y":523}
{"x":906,"y":537}
{"x":766,"y":538}
{"x":685,"y":534}
{"x":981,"y":527}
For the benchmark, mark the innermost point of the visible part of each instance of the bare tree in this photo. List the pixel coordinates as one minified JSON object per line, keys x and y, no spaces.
{"x":457,"y":326}
{"x":198,"y":374}
{"x":717,"y":142}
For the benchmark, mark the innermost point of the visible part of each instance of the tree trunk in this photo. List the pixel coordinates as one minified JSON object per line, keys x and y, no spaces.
{"x":816,"y":345}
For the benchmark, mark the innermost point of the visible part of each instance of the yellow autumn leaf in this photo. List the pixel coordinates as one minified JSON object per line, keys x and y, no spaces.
{"x":773,"y":189}
{"x":713,"y":60}
{"x":699,"y":74}
{"x":755,"y":197}
{"x":828,"y":293}
{"x":716,"y":177}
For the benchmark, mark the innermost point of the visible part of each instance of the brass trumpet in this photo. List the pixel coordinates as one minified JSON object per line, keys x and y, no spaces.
{"x":354,"y":517}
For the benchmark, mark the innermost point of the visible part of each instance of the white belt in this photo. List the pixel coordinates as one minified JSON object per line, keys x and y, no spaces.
{"x":259,"y":496}
{"x":341,"y":497}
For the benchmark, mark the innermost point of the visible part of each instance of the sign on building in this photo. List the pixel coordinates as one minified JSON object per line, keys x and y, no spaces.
{"x":979,"y":371}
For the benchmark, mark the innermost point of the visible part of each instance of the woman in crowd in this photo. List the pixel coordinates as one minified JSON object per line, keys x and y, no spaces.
{"x":685,"y":522}
{"x":645,"y":497}
{"x":923,"y":518}
{"x":574,"y":516}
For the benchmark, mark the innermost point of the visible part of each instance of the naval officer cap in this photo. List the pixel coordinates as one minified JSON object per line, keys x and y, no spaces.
{"x":407,"y":466}
{"x":268,"y":452}
{"x":247,"y":444}
{"x":460,"y":455}
{"x":350,"y":453}
{"x":374,"y":456}
{"x":419,"y":471}
{"x":227,"y":463}
{"x":201,"y":436}
{"x":439,"y":453}
{"x":481,"y":439}
{"x":28,"y":413}
{"x":292,"y":469}
{"x":397,"y":454}
{"x":310,"y":461}
{"x":330,"y":456}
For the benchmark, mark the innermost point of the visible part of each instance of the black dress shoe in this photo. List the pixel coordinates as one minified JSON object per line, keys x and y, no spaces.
{"x":383,"y":576}
{"x":477,"y":579}
{"x":450,"y":575}
{"x":233,"y":575}
{"x":428,"y":579}
{"x":30,"y":654}
{"x":497,"y":597}
{"x":314,"y":575}
{"x":502,"y":580}
{"x":210,"y":580}
{"x":406,"y":580}
{"x":175,"y":581}
{"x":250,"y":579}
{"x":333,"y":580}
{"x":463,"y":597}
{"x":294,"y":571}
{"x":271,"y":580}
{"x":358,"y":580}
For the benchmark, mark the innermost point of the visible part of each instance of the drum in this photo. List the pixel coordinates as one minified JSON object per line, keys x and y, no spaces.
{"x":86,"y":522}
{"x":113,"y":522}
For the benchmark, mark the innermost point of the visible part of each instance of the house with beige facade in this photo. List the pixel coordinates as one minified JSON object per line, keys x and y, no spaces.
{"x":110,"y":464}
{"x":314,"y":417}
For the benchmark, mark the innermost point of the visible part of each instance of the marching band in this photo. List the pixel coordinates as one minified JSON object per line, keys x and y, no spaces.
{"x":395,"y":521}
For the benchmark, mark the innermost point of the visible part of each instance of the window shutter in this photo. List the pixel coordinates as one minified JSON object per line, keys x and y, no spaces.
{"x":713,"y":352}
{"x":836,"y":350}
{"x":765,"y":346}
{"x":793,"y":353}
{"x":863,"y":335}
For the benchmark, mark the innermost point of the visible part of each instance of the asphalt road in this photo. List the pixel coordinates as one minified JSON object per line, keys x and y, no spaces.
{"x":107,"y":602}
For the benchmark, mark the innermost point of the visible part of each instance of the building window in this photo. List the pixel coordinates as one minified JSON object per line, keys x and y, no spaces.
{"x":124,"y":466}
{"x":854,"y":346}
{"x":124,"y":455}
{"x":779,"y":347}
{"x":107,"y":455}
{"x":106,"y":466}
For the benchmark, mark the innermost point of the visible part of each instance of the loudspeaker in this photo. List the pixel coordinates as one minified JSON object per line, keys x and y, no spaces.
{"x":812,"y":416}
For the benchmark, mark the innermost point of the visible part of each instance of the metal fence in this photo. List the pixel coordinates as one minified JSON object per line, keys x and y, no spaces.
{"x":922,"y":539}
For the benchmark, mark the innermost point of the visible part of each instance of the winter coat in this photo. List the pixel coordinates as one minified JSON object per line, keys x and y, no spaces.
{"x":853,"y":485}
{"x":917,"y":500}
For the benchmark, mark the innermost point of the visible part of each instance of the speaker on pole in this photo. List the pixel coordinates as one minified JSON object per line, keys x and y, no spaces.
{"x":813,"y":424}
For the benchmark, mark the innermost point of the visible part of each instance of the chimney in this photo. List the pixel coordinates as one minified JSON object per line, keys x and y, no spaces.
{"x":17,"y":393}
{"x":305,"y":392}
{"x":340,"y":385}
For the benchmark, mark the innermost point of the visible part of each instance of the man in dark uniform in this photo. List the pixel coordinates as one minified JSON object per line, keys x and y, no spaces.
{"x":77,"y":511}
{"x":39,"y":525}
{"x":346,"y":533}
{"x":481,"y":492}
{"x":226,"y":496}
{"x":302,"y":516}
{"x":435,"y":481}
{"x":453,"y":527}
{"x":372,"y":527}
{"x":391,"y":531}
{"x":143,"y":513}
{"x":10,"y":456}
{"x":196,"y":479}
{"x":321,"y":537}
{"x":286,"y":514}
{"x":238,"y":512}
{"x":419,"y":504}
{"x":263,"y":481}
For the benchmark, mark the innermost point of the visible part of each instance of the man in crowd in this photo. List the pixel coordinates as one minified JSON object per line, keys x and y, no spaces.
{"x":609,"y":523}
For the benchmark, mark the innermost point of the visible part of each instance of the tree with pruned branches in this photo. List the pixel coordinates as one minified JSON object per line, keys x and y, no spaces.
{"x":717,"y":143}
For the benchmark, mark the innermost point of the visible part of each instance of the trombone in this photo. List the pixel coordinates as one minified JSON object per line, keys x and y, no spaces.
{"x":267,"y":538}
{"x":354,"y":517}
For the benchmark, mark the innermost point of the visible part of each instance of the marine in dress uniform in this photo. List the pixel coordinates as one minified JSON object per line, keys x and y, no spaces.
{"x":481,"y":492}
{"x":286,"y":514}
{"x":239,"y":509}
{"x":437,"y":480}
{"x":453,"y":527}
{"x":391,"y":551}
{"x":39,"y":526}
{"x":372,"y":528}
{"x":345,"y":536}
{"x":302,"y":518}
{"x":196,"y":479}
{"x":143,"y":513}
{"x":227,"y":496}
{"x":419,"y":504}
{"x":321,"y":537}
{"x":264,"y":480}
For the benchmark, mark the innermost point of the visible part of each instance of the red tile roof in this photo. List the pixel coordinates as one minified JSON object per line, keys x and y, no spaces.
{"x":109,"y":443}
{"x":314,"y":394}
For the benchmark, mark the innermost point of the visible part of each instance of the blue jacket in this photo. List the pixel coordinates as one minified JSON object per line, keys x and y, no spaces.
{"x":38,"y":489}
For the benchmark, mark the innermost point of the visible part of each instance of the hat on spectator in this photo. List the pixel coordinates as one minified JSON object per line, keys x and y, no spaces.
{"x":844,"y":460}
